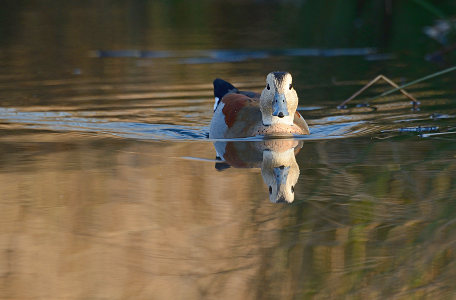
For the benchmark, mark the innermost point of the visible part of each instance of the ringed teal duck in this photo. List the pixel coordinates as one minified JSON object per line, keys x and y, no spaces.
{"x":272,"y":113}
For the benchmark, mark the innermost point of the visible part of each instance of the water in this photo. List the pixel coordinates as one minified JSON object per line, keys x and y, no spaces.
{"x":111,"y":190}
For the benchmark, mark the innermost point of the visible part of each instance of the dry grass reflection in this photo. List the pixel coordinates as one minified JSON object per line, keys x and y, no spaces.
{"x":110,"y":219}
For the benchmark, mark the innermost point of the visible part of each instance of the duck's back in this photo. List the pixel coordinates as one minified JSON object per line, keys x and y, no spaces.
{"x":237,"y":115}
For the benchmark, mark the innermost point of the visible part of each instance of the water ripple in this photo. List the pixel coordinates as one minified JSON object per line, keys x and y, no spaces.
{"x":171,"y":115}
{"x":64,"y":121}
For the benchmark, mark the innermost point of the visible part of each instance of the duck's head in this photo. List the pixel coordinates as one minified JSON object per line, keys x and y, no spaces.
{"x":279,"y":100}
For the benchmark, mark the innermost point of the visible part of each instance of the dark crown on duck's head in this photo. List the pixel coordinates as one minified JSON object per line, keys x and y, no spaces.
{"x":279,"y":76}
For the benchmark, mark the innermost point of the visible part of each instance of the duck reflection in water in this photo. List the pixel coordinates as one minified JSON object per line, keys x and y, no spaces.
{"x":275,"y":157}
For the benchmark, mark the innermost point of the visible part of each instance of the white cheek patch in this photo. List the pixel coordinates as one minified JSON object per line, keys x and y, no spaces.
{"x":217,"y":100}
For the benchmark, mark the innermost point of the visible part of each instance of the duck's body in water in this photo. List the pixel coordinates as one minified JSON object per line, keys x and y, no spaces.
{"x":244,"y":114}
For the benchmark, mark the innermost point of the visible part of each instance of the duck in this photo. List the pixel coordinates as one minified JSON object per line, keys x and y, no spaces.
{"x":271,"y":113}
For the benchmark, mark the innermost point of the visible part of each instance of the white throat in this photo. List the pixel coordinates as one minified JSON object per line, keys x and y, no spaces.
{"x":273,"y":120}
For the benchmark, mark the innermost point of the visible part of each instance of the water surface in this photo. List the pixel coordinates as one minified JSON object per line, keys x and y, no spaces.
{"x":111,"y":190}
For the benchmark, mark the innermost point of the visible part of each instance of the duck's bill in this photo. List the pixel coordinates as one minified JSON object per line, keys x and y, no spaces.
{"x":280,"y":108}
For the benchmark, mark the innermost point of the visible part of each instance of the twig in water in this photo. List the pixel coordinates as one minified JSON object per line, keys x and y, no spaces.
{"x":415,"y":102}
{"x":447,"y":70}
{"x":398,"y":88}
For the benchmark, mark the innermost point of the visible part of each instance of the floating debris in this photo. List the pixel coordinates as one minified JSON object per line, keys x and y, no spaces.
{"x":237,"y":55}
{"x":438,"y":133}
{"x":418,"y":129}
{"x":437,"y":116}
{"x":362,"y":105}
{"x":129,"y":53}
{"x":329,"y":52}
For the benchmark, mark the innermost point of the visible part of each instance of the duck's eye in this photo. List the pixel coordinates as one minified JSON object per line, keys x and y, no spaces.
{"x":291,"y":86}
{"x":270,"y":190}
{"x":268,"y":87}
{"x":292,"y":188}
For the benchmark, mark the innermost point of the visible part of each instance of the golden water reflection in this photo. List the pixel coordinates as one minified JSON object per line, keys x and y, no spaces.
{"x":85,"y":217}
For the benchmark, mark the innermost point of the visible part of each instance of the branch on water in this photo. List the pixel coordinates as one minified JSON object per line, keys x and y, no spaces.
{"x":397,"y":88}
{"x":379,"y":77}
